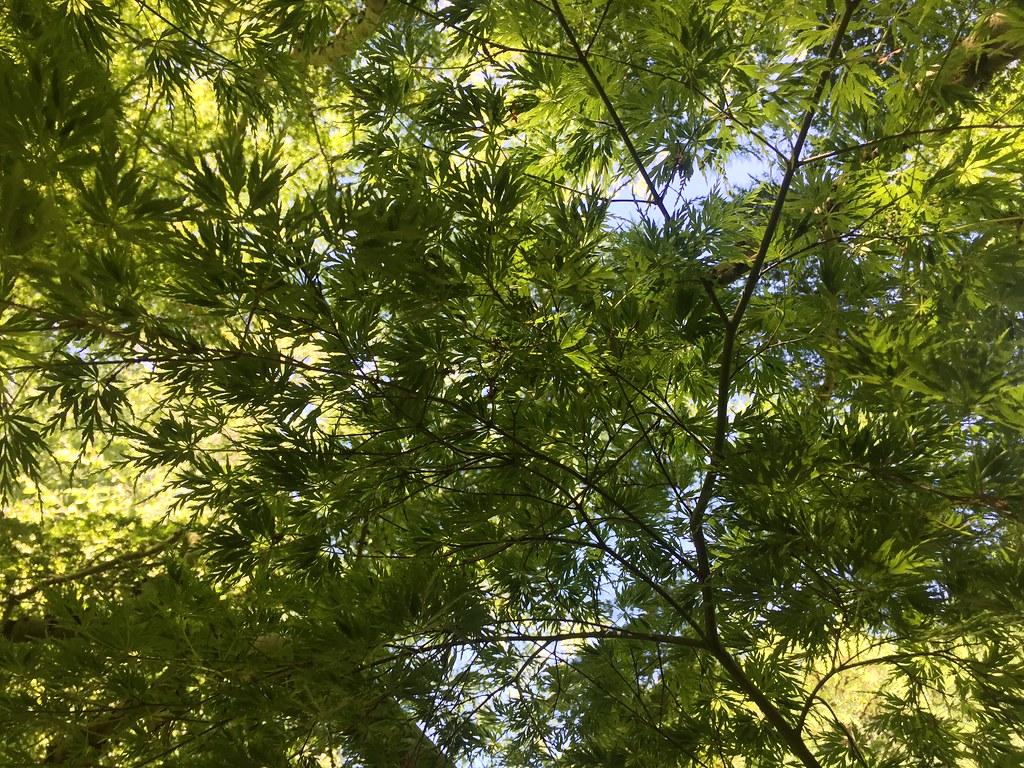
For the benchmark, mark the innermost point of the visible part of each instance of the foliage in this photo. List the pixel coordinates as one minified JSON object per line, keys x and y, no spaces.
{"x":511,"y":383}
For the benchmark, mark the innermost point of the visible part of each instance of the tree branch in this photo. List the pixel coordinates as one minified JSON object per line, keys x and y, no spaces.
{"x":979,"y":57}
{"x":612,"y":112}
{"x":610,"y":633}
{"x":352,"y":34}
{"x":789,"y":734}
{"x":910,"y":134}
{"x":92,"y":570}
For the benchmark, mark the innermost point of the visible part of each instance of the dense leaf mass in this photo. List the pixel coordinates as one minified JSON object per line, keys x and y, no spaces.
{"x":511,"y":383}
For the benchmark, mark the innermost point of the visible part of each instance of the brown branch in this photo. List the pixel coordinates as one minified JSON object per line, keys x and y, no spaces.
{"x":856,"y":661}
{"x":639,"y":66}
{"x":481,"y":39}
{"x":610,"y":633}
{"x":980,"y":57}
{"x":851,"y":738}
{"x":600,"y":23}
{"x":732,"y":327}
{"x":352,"y":34}
{"x":92,"y":570}
{"x":25,"y":629}
{"x":612,"y":112}
{"x":404,"y":746}
{"x":790,"y":735}
{"x":97,"y":733}
{"x":986,"y":500}
{"x":910,"y":134}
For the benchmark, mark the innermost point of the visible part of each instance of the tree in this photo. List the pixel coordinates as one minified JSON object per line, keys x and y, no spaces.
{"x":418,"y":384}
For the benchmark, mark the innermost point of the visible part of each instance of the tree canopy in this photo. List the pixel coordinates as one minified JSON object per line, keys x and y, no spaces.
{"x":515,"y":383}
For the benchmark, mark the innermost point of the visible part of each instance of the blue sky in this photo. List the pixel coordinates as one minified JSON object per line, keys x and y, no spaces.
{"x":740,"y":171}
